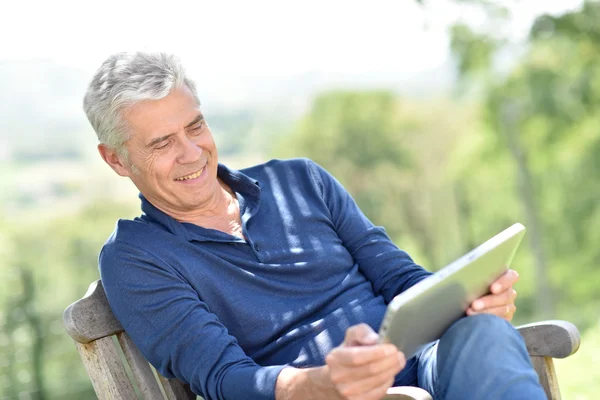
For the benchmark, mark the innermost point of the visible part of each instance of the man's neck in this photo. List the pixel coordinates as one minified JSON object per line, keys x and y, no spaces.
{"x":222,"y":213}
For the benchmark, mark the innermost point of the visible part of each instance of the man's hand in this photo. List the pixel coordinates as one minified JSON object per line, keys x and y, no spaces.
{"x":362,"y":369}
{"x":357,"y":369}
{"x":501,"y":301}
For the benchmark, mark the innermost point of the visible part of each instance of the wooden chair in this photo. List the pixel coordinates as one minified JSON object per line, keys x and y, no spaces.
{"x":118,"y":370}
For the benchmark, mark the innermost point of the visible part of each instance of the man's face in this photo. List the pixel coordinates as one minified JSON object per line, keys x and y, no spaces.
{"x":172,"y":155}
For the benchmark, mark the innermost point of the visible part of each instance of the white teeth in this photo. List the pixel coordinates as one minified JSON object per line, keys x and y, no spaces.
{"x":192,"y":176}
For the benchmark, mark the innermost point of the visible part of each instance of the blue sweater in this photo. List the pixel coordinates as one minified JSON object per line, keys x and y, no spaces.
{"x":226,"y":315}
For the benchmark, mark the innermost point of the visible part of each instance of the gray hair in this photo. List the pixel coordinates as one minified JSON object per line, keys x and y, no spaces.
{"x":123,"y":80}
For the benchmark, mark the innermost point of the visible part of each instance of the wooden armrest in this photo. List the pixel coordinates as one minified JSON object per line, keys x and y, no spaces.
{"x":556,"y":339}
{"x":407,"y":393}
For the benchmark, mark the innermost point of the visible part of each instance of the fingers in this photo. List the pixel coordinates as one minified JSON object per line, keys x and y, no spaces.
{"x":358,"y":366}
{"x":360,"y":335}
{"x":507,"y":280}
{"x":495,"y":300}
{"x":362,"y":369}
{"x":501,"y":301}
{"x":506,"y":311}
{"x":365,"y":378}
{"x":361,"y":355}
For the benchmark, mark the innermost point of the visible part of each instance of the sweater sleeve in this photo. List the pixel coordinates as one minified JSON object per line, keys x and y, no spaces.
{"x":175,"y":330}
{"x":389,"y":269}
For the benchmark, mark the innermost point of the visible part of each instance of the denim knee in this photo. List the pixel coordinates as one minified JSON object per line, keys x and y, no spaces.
{"x":483,"y":356}
{"x":474,"y":335}
{"x":482,"y":324}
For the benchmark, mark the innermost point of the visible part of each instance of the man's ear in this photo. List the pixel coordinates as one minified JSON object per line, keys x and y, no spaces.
{"x":112,"y":158}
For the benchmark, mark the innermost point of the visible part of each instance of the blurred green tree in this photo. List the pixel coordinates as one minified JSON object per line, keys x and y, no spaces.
{"x":44,"y":266}
{"x":541,"y":117}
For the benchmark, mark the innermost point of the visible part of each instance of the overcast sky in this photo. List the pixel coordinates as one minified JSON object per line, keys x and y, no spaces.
{"x":225,"y":39}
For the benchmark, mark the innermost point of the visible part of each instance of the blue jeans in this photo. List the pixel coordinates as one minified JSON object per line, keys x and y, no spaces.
{"x":479,"y":357}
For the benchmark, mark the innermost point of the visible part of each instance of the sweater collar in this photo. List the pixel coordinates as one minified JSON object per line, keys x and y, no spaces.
{"x":244,"y":186}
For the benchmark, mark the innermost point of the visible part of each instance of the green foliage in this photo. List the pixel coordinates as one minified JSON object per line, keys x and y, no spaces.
{"x":578,"y":375}
{"x":366,"y":122}
{"x":542,"y":119}
{"x":474,"y":50}
{"x":44,"y":266}
{"x":578,"y":26}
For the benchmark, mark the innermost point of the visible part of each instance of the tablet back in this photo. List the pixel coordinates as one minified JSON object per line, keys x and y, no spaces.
{"x":422,"y":313}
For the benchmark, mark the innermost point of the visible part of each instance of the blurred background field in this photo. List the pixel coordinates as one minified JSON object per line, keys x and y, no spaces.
{"x":447,"y":120}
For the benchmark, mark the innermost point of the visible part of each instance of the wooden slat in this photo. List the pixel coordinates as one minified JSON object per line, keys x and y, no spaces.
{"x":90,"y":318}
{"x":140,"y":369}
{"x":105,"y":370}
{"x":557,"y":339}
{"x":544,"y":366}
{"x":176,"y":390}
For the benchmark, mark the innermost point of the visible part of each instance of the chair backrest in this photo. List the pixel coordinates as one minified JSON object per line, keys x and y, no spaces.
{"x":116,"y":367}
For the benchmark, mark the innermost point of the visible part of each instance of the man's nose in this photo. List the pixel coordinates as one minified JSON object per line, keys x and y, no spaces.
{"x":189,"y":151}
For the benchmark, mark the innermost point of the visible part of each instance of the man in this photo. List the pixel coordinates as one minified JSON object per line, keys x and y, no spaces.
{"x":267,"y":282}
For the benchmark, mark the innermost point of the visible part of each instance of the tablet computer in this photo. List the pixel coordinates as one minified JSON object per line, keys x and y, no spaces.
{"x":422,"y":313}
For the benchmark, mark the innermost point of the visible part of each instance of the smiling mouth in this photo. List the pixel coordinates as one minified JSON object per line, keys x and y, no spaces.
{"x":190,"y":176}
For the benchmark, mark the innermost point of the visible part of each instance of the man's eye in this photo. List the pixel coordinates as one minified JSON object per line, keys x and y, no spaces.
{"x":197,"y":130}
{"x":162,"y":145}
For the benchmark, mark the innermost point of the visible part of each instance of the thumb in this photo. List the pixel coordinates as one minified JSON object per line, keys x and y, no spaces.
{"x":360,"y":335}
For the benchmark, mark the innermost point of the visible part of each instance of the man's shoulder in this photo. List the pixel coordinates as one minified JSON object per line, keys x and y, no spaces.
{"x":134,"y":232}
{"x":134,"y":241}
{"x":276,"y":165}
